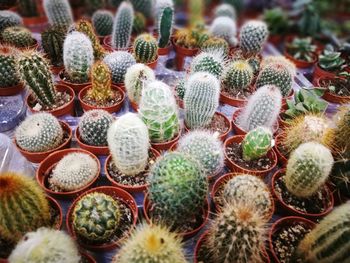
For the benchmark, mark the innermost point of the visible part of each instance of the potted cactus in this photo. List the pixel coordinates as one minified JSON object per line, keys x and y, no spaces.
{"x":337,"y":88}
{"x":216,"y":43}
{"x":165,"y":30}
{"x":19,"y":37}
{"x":31,"y":12}
{"x":58,"y":12}
{"x":225,"y":27}
{"x":102,"y":21}
{"x":302,"y":52}
{"x":212,"y":62}
{"x":145,"y":50}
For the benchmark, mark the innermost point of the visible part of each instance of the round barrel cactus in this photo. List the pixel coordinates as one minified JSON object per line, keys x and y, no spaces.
{"x":145,"y":48}
{"x":119,"y":62}
{"x":238,"y":76}
{"x":9,"y":18}
{"x":17,"y":36}
{"x":212,"y":62}
{"x":253,"y":35}
{"x":257,"y":143}
{"x":9,"y":76}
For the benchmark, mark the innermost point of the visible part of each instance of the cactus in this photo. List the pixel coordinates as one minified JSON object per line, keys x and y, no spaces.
{"x":191,"y":37}
{"x":158,"y":110}
{"x":17,"y":36}
{"x":329,"y":240}
{"x":201,"y":99}
{"x":9,"y":76}
{"x":145,"y":48}
{"x":122,"y":27}
{"x":23,"y":206}
{"x":58,"y":12}
{"x":39,"y":133}
{"x":257,"y":143}
{"x":136,"y":77}
{"x":342,"y":131}
{"x":94,"y":5}
{"x":225,"y":28}
{"x":225,"y":10}
{"x":128,"y":142}
{"x":206,"y":148}
{"x":119,"y":62}
{"x":246,"y":188}
{"x":180,"y":89}
{"x":165,"y":27}
{"x":216,"y":43}
{"x":102,"y":20}
{"x":159,"y":7}
{"x":144,"y":7}
{"x":78,"y":57}
{"x":8,"y":19}
{"x":308,"y":169}
{"x":252,"y":37}
{"x":52,"y":42}
{"x":139,"y":24}
{"x":212,"y":62}
{"x":28,"y":8}
{"x":96,"y":217}
{"x":238,"y":76}
{"x":93,"y":127}
{"x":279,"y":60}
{"x":262,"y":109}
{"x":182,"y":176}
{"x":151,"y":243}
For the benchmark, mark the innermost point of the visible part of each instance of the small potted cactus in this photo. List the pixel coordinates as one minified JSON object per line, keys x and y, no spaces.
{"x":58,"y":12}
{"x":41,"y":134}
{"x":336,"y":89}
{"x":302,"y":52}
{"x":19,"y":37}
{"x":30,"y":11}
{"x":216,"y":43}
{"x":212,"y":62}
{"x":145,"y":50}
{"x":165,"y":30}
{"x":225,"y":27}
{"x":102,"y":21}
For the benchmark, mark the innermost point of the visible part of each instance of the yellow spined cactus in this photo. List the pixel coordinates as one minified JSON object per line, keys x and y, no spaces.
{"x":101,"y":82}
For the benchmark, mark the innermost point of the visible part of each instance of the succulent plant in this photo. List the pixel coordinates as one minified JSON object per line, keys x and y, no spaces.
{"x":17,"y":36}
{"x":58,"y":12}
{"x":257,"y":143}
{"x":139,"y":24}
{"x":277,"y":21}
{"x":23,"y":204}
{"x":302,"y":49}
{"x":45,"y":245}
{"x":52,"y":42}
{"x":102,"y":21}
{"x":331,"y":60}
{"x":8,"y":19}
{"x":262,"y":109}
{"x":128,"y":142}
{"x":206,"y":148}
{"x":341,"y":140}
{"x":136,"y":77}
{"x":159,"y":6}
{"x":145,"y":48}
{"x":226,"y":28}
{"x":182,"y":176}
{"x":9,"y":76}
{"x":78,"y":57}
{"x":225,"y":10}
{"x":252,"y":37}
{"x":122,"y":27}
{"x":119,"y":62}
{"x":309,"y":20}
{"x":212,"y":62}
{"x":145,"y":7}
{"x":193,"y":37}
{"x":238,"y":76}
{"x":28,"y":8}
{"x":165,"y":27}
{"x":96,"y":217}
{"x":201,"y":99}
{"x":180,"y":89}
{"x":216,"y":43}
{"x":268,"y":60}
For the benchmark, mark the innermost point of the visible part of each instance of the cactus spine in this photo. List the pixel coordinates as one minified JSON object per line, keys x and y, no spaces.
{"x":58,"y":12}
{"x":212,"y":62}
{"x":17,"y":36}
{"x":9,"y":19}
{"x":165,"y":27}
{"x":122,"y":27}
{"x":9,"y":76}
{"x":119,"y":62}
{"x":257,"y":143}
{"x":101,"y":81}
{"x":102,"y":20}
{"x":238,"y":76}
{"x":52,"y":42}
{"x":226,"y":28}
{"x":342,"y":132}
{"x":145,"y":48}
{"x":216,"y":43}
{"x":253,"y":36}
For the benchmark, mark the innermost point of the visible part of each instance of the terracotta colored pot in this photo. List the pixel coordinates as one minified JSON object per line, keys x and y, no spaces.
{"x":35,"y":21}
{"x":66,"y":109}
{"x":53,"y":203}
{"x":235,"y":102}
{"x":96,"y":150}
{"x":50,"y":162}
{"x":134,"y":106}
{"x":329,"y":96}
{"x":153,"y":64}
{"x":116,"y":193}
{"x":182,"y":53}
{"x":319,"y":72}
{"x":3,"y":260}
{"x":286,"y":222}
{"x":10,"y":91}
{"x":164,"y":146}
{"x":276,"y":39}
{"x":184,"y":235}
{"x":77,"y":87}
{"x":107,"y":44}
{"x":290,"y":210}
{"x":281,"y":158}
{"x":56,"y":70}
{"x":37,"y":157}
{"x":238,"y":169}
{"x":88,"y":257}
{"x":163,"y":51}
{"x":301,"y":63}
{"x":101,"y":38}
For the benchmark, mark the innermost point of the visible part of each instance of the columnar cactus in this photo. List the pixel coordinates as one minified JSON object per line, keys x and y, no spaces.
{"x":39,"y":132}
{"x":139,"y":24}
{"x":23,"y":206}
{"x":8,"y":19}
{"x":136,"y":77}
{"x":96,"y":217}
{"x":17,"y":36}
{"x":28,"y":8}
{"x":159,"y":6}
{"x":226,"y":28}
{"x":159,"y":112}
{"x":165,"y":26}
{"x":329,"y":240}
{"x":225,"y":10}
{"x":216,"y":43}
{"x":45,"y":245}
{"x":181,"y":175}
{"x":252,"y":37}
{"x":58,"y":12}
{"x":201,"y":99}
{"x":238,"y":76}
{"x":52,"y":42}
{"x":308,"y":169}
{"x":93,"y":127}
{"x":102,"y":20}
{"x":151,"y":243}
{"x":206,"y":148}
{"x":342,"y":132}
{"x":145,"y":48}
{"x":145,"y":7}
{"x":128,"y":142}
{"x":9,"y":76}
{"x":119,"y":62}
{"x":257,"y":143}
{"x":122,"y":26}
{"x":212,"y":62}
{"x":262,"y":109}
{"x":78,"y":57}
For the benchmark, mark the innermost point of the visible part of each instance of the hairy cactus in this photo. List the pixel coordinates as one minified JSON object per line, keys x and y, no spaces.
{"x":249,"y":189}
{"x":238,"y":76}
{"x":17,"y":36}
{"x":183,"y":177}
{"x":93,"y":127}
{"x":78,"y":57}
{"x":145,"y":48}
{"x":122,"y":27}
{"x":191,"y":37}
{"x":201,"y":99}
{"x":262,"y":109}
{"x":329,"y":240}
{"x":216,"y":43}
{"x":342,"y":132}
{"x":52,"y":42}
{"x":28,"y":8}
{"x":128,"y":142}
{"x":158,"y":110}
{"x":206,"y":148}
{"x":308,"y":169}
{"x":145,"y":7}
{"x":165,"y":26}
{"x":139,"y":24}
{"x":9,"y":76}
{"x":226,"y":28}
{"x":39,"y":132}
{"x":257,"y":143}
{"x":119,"y":62}
{"x":225,"y":10}
{"x":102,"y":20}
{"x":136,"y":77}
{"x":8,"y":19}
{"x":23,"y":206}
{"x":212,"y":62}
{"x":96,"y":217}
{"x":252,"y":37}
{"x":58,"y":12}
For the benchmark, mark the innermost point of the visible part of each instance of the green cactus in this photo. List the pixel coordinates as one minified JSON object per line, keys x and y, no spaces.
{"x":159,"y":112}
{"x":122,"y":27}
{"x":96,"y":217}
{"x":144,"y":7}
{"x":180,"y":175}
{"x":119,"y":62}
{"x":308,"y":169}
{"x":102,"y":20}
{"x":28,"y":8}
{"x":165,"y":27}
{"x":139,"y":24}
{"x":342,"y":132}
{"x":93,"y":127}
{"x":226,"y":28}
{"x":52,"y":42}
{"x":279,"y":60}
{"x":8,"y":19}
{"x":18,"y":36}
{"x":238,"y":76}
{"x":145,"y":48}
{"x":340,"y":177}
{"x":253,"y":35}
{"x":212,"y":62}
{"x":158,"y":8}
{"x":257,"y":143}
{"x":180,"y":88}
{"x":216,"y":43}
{"x":58,"y":12}
{"x":225,"y":10}
{"x":9,"y":76}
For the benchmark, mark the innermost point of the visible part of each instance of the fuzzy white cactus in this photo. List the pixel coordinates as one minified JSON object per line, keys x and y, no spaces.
{"x":280,"y":60}
{"x":253,"y":35}
{"x":119,"y":62}
{"x":226,"y":28}
{"x":225,"y":10}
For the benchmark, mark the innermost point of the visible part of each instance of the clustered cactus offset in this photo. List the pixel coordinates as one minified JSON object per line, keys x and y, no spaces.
{"x":102,"y":20}
{"x":9,"y":76}
{"x":257,"y":143}
{"x":145,"y":48}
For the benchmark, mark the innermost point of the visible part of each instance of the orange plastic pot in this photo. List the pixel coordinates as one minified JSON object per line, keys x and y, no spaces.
{"x":153,"y":64}
{"x":182,"y":53}
{"x":77,"y":87}
{"x":10,"y":91}
{"x":107,"y":43}
{"x":163,"y":51}
{"x":319,"y":72}
{"x":164,"y":146}
{"x":329,"y":96}
{"x":302,"y":63}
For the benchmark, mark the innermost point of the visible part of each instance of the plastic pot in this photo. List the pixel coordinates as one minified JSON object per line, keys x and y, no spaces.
{"x":329,"y":96}
{"x":163,"y":51}
{"x":281,"y":158}
{"x":54,"y":204}
{"x":182,"y":53}
{"x":96,"y":150}
{"x":107,"y":43}
{"x":77,"y":87}
{"x":302,"y":63}
{"x":164,"y":146}
{"x":235,"y":102}
{"x":153,"y":64}
{"x":319,"y":72}
{"x":10,"y":91}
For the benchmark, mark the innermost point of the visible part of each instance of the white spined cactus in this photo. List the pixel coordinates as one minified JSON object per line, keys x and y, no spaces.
{"x":212,"y":61}
{"x":58,"y":12}
{"x":253,"y":35}
{"x":280,"y":60}
{"x":122,"y":26}
{"x":159,"y":6}
{"x":119,"y":62}
{"x":226,"y":28}
{"x":128,"y":142}
{"x":225,"y":10}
